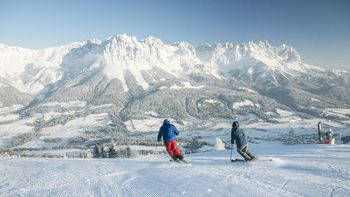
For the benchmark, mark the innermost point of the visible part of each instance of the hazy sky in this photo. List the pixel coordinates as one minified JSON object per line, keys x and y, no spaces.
{"x":319,"y":30}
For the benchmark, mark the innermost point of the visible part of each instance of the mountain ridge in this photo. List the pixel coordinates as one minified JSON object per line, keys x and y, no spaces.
{"x":125,"y":71}
{"x":122,"y":52}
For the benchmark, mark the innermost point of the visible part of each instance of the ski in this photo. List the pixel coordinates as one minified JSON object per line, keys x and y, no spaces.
{"x":242,"y":160}
{"x":238,"y":160}
{"x":184,"y":161}
{"x":263,"y":160}
{"x":179,"y":161}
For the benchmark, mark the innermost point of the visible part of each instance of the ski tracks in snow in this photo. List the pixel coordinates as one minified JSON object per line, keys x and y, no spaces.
{"x":208,"y":174}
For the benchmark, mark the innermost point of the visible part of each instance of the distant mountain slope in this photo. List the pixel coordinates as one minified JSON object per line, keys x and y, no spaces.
{"x":172,"y":80}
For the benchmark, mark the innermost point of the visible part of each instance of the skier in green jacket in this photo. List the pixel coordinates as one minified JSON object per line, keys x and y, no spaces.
{"x":238,"y":135}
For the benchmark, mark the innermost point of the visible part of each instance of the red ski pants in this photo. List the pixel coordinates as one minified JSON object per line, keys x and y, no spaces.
{"x":172,"y":149}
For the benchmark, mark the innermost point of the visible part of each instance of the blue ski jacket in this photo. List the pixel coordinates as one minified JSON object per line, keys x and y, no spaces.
{"x":238,"y":135}
{"x":168,"y":132}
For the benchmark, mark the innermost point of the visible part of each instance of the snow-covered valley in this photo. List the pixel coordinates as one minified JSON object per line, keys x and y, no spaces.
{"x":302,"y":169}
{"x":295,"y":170}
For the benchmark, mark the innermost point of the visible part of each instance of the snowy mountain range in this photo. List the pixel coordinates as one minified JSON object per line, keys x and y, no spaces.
{"x":30,"y":71}
{"x":130,"y":80}
{"x":96,"y":71}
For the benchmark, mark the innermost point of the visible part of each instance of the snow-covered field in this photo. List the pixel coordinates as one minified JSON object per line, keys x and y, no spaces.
{"x":295,"y":170}
{"x":298,"y":170}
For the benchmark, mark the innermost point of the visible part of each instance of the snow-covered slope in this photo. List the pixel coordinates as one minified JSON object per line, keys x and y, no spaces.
{"x":299,"y":170}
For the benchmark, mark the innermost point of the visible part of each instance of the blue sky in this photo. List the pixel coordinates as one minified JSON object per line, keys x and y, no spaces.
{"x":318,"y":29}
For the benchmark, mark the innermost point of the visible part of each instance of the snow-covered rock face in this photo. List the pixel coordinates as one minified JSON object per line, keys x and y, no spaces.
{"x":31,"y":70}
{"x":252,"y":58}
{"x":136,"y":75}
{"x":123,"y":53}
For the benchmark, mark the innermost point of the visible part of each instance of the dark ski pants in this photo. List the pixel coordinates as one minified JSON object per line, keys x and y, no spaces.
{"x":244,"y":152}
{"x":172,"y":150}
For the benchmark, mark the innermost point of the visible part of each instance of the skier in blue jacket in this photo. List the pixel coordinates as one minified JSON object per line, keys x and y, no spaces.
{"x":238,"y":135}
{"x":169,"y":133}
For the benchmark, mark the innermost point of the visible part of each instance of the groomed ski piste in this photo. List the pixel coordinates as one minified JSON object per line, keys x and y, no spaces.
{"x":295,"y":170}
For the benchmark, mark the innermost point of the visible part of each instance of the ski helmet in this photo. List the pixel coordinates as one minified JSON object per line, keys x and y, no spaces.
{"x":329,"y":134}
{"x":166,"y":121}
{"x":235,"y":124}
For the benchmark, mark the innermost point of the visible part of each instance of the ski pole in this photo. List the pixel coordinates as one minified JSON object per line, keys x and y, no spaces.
{"x":156,"y":147}
{"x":231,"y":152}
